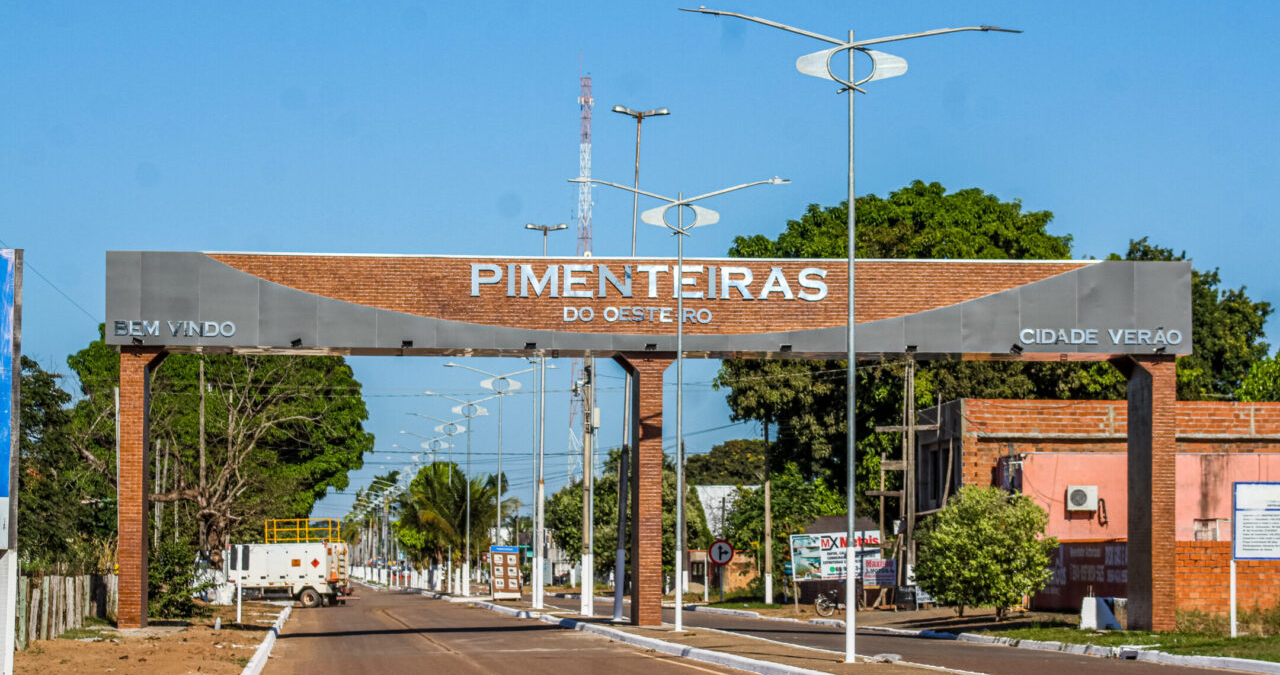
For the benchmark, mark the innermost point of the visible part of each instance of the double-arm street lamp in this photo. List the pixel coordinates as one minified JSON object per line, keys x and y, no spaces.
{"x":545,"y":230}
{"x":619,"y":572}
{"x":883,"y":66}
{"x":701,"y":216}
{"x":502,"y":386}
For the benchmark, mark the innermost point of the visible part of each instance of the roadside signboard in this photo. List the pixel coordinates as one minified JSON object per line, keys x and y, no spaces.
{"x":504,"y":564}
{"x":1255,"y":521}
{"x":720,"y":553}
{"x":877,"y":573}
{"x":10,"y":380}
{"x":822,"y":555}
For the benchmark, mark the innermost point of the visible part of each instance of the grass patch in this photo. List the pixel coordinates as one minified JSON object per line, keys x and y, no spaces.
{"x":1199,"y":634}
{"x":748,"y":604}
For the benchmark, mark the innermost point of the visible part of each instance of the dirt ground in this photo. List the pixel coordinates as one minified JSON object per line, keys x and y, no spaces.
{"x":163,"y":648}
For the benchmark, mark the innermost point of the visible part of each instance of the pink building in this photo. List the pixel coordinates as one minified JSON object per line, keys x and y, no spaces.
{"x":1049,"y":450}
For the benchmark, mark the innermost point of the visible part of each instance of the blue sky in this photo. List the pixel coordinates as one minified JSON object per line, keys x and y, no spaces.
{"x":444,"y":127}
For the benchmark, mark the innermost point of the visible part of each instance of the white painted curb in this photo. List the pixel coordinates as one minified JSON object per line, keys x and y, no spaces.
{"x":703,"y":655}
{"x":259,"y":660}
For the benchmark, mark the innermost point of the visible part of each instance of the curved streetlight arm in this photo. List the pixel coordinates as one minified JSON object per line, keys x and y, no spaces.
{"x":772,"y":181}
{"x":836,"y":41}
{"x":775,"y":24}
{"x":928,"y":33}
{"x":628,"y":188}
{"x":485,"y":372}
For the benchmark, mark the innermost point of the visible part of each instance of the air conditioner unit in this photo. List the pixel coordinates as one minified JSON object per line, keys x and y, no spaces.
{"x":1082,"y":497}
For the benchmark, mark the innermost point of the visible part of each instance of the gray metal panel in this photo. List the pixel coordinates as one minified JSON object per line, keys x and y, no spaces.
{"x":458,"y":335}
{"x":393,"y":328}
{"x":286,"y":315}
{"x":227,"y":294}
{"x":879,"y":336}
{"x":1161,"y":289}
{"x":993,"y":320}
{"x":343,"y":324}
{"x":171,"y":285}
{"x":1106,"y":295}
{"x":124,"y":289}
{"x":938,"y":330}
{"x":1051,"y":303}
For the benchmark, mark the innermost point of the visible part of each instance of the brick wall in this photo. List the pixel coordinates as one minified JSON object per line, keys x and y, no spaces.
{"x":1204,"y":579}
{"x":440,"y":287}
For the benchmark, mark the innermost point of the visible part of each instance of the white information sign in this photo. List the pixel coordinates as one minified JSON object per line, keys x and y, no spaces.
{"x":1256,"y":521}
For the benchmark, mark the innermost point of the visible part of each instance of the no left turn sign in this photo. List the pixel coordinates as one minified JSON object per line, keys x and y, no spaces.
{"x":720,"y":552}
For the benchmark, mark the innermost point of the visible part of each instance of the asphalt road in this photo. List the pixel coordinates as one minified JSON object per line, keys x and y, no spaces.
{"x":394,"y":632}
{"x":990,"y":659}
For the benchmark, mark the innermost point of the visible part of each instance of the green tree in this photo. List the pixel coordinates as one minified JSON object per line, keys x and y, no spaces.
{"x":806,"y":399}
{"x":729,"y":463}
{"x":1263,"y":381}
{"x":985,"y":548}
{"x":66,"y":512}
{"x":796,"y":502}
{"x":1226,"y":330}
{"x":265,"y":437}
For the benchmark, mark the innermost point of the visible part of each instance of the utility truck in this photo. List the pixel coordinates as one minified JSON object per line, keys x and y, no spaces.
{"x":305,"y":559}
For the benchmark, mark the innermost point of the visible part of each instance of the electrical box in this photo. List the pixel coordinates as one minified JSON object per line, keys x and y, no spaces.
{"x":1082,"y":498}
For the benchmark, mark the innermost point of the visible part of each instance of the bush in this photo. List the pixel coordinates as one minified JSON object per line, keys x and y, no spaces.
{"x":985,"y":548}
{"x":173,"y":580}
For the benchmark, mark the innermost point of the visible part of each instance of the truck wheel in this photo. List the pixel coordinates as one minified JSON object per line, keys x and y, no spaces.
{"x":309,"y":598}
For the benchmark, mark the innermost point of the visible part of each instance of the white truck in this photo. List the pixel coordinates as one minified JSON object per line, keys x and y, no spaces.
{"x":311,"y":573}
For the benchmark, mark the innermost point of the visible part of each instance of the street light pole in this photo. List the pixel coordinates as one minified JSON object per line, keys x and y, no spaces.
{"x":502,"y":386}
{"x":545,"y":229}
{"x":883,"y":66}
{"x":701,"y":216}
{"x":624,"y":459}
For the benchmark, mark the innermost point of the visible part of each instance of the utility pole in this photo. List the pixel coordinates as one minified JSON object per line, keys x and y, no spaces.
{"x":588,"y":479}
{"x":768,"y":522}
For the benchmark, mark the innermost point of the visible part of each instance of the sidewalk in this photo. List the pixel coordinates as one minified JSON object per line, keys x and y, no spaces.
{"x":707,"y":645}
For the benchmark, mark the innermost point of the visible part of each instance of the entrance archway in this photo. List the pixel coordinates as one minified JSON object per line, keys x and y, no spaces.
{"x":1135,"y":314}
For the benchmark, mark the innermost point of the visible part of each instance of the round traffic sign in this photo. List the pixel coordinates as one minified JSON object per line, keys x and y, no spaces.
{"x":720,"y":553}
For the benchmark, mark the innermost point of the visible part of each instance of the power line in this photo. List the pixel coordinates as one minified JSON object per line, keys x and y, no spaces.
{"x":26,"y":264}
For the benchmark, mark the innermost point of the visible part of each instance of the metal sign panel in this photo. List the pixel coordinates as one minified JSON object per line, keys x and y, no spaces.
{"x":10,"y":389}
{"x":720,"y":553}
{"x":1255,"y":521}
{"x":363,"y":304}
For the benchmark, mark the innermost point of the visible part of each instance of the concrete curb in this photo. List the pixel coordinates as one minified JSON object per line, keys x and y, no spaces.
{"x":703,"y":655}
{"x":259,"y":660}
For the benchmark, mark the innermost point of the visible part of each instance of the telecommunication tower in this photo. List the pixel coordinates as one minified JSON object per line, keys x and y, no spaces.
{"x":585,"y":104}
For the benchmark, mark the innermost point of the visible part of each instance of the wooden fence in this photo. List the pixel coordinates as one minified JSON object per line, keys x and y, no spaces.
{"x":49,"y":606}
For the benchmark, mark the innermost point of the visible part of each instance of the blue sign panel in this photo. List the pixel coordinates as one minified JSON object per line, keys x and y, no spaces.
{"x":10,"y":374}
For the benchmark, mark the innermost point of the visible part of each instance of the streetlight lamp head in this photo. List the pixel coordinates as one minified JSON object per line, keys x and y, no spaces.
{"x":530,"y":226}
{"x":625,"y":110}
{"x":561,"y":226}
{"x":779,"y":181}
{"x":659,"y":111}
{"x":998,"y":29}
{"x":451,"y":364}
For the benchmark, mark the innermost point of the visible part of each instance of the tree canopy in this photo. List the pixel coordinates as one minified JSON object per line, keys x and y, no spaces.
{"x":806,"y":399}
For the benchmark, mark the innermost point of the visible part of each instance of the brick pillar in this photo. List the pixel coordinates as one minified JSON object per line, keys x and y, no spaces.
{"x":1152,"y":481}
{"x":646,"y":486}
{"x":133,"y":432}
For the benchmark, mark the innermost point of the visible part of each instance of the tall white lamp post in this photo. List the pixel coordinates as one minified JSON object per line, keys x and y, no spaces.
{"x":883,"y":66}
{"x":701,"y":216}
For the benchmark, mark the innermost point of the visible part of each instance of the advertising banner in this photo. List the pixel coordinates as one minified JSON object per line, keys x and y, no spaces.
{"x":822,"y":555}
{"x":10,"y":379}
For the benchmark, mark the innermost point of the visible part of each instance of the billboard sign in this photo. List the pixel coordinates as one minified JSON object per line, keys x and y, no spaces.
{"x":1255,"y":521}
{"x":10,"y":382}
{"x":822,"y":555}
